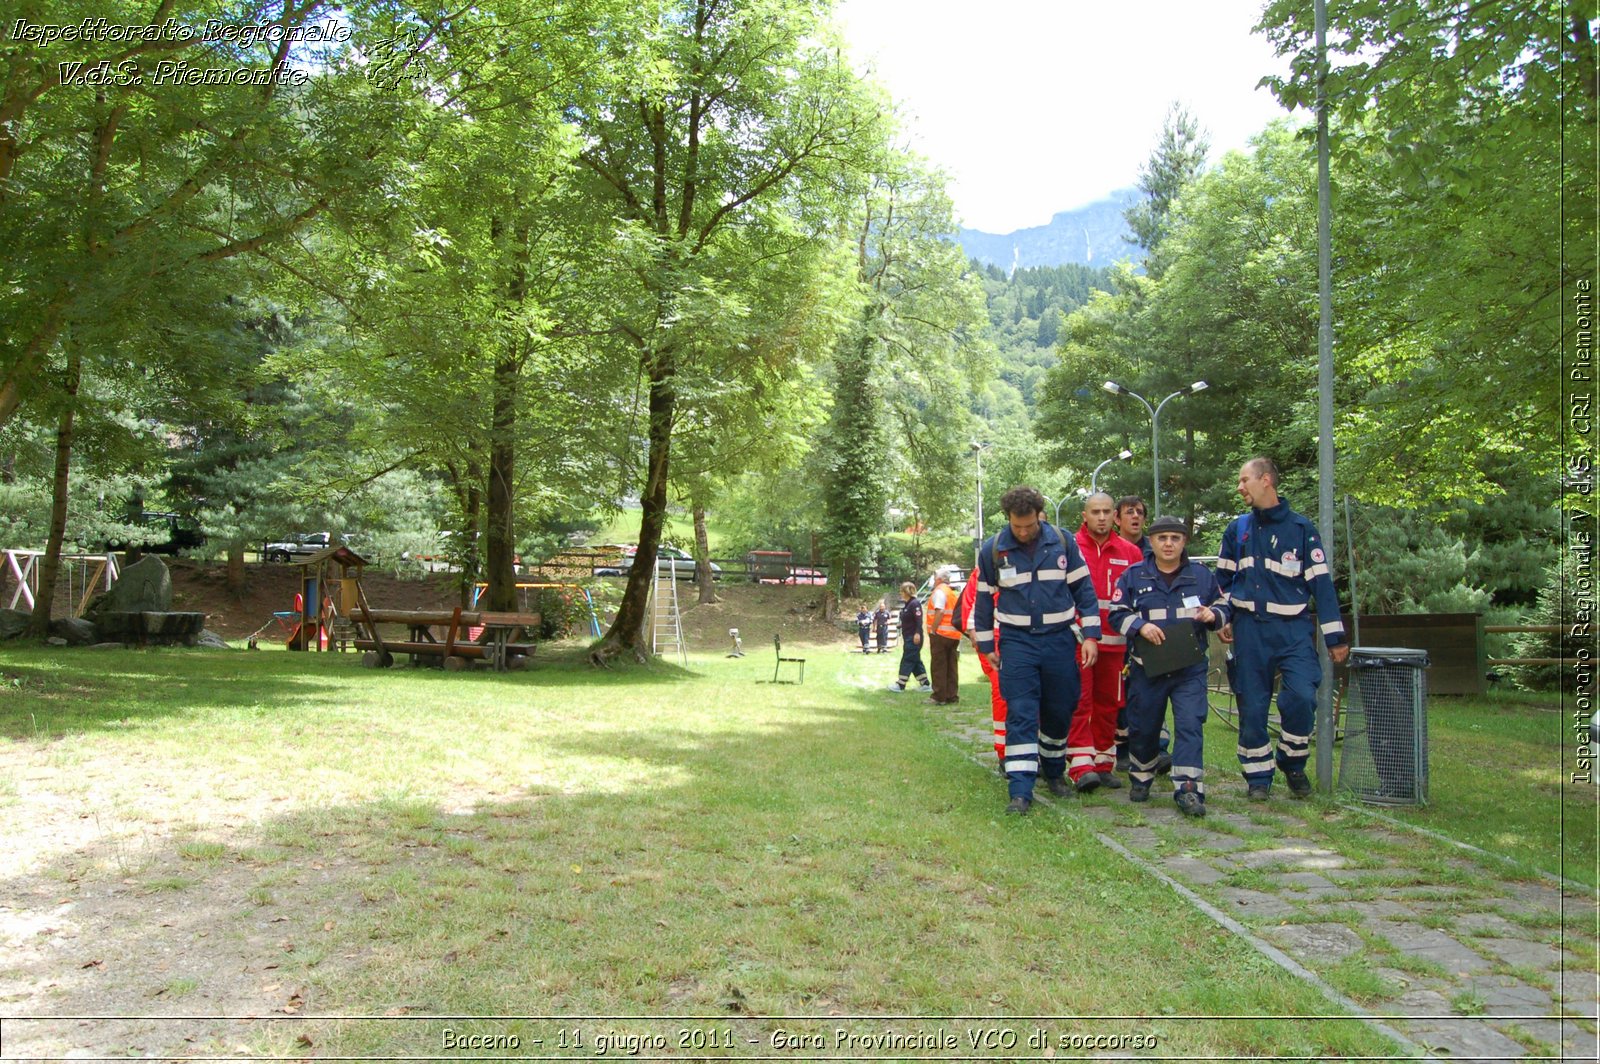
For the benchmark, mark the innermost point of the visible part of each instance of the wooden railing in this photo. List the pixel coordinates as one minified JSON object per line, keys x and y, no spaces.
{"x":84,"y":574}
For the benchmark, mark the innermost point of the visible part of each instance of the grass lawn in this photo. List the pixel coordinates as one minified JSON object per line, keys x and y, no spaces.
{"x":1500,"y":778}
{"x":571,"y":843}
{"x":679,"y":531}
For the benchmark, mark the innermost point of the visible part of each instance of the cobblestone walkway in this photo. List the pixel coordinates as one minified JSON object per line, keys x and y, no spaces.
{"x":1466,"y":956}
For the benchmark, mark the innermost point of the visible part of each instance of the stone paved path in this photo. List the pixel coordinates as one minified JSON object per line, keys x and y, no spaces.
{"x":1460,"y":953}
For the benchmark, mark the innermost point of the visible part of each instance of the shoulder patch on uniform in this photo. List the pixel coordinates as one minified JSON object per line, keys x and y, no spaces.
{"x":1316,"y":554}
{"x":1116,"y":596}
{"x":1061,"y":561}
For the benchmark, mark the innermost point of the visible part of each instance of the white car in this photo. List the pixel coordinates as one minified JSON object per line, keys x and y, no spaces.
{"x":671,"y":559}
{"x":299,"y":545}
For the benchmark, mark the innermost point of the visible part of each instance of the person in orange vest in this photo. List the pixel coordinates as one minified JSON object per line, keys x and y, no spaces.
{"x":944,"y":639}
{"x":997,"y":701}
{"x":1092,"y":739}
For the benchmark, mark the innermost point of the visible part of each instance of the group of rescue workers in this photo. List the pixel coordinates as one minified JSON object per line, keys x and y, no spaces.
{"x":1087,"y":639}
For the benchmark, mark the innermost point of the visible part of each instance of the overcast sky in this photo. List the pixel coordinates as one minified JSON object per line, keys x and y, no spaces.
{"x":1039,"y":106}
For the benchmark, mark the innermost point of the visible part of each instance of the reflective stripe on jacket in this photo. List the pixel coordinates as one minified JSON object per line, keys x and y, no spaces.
{"x":942,"y":603}
{"x":1272,"y":564}
{"x":1143,"y":595}
{"x":1036,"y":592}
{"x":1106,"y":565}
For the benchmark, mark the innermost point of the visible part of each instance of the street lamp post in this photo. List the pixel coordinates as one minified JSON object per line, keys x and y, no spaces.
{"x":977,"y":453}
{"x":1155,"y":422}
{"x":1094,"y":478}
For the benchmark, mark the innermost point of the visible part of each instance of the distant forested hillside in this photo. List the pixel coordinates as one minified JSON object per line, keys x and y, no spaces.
{"x":1026,"y":312}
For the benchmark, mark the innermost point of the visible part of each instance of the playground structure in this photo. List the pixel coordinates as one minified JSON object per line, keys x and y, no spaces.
{"x":332,"y":613}
{"x":84,"y":573}
{"x":330,"y":591}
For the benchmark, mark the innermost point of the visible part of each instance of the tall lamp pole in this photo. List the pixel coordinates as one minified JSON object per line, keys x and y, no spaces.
{"x":977,"y":453}
{"x":1094,"y":478}
{"x":1155,"y":422}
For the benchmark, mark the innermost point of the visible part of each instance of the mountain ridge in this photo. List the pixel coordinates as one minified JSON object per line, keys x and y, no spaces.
{"x":1095,"y":234}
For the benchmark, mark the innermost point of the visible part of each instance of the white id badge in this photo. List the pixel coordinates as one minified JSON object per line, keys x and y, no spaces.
{"x":1192,"y":601}
{"x":1292,"y":568}
{"x":1008,"y":573}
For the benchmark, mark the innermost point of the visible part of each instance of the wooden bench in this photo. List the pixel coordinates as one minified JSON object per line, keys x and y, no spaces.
{"x":493,"y":643}
{"x":777,"y":645}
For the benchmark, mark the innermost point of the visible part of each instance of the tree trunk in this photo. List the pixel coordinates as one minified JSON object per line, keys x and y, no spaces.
{"x":501,"y":593}
{"x":235,"y":580}
{"x":828,"y":609}
{"x":850,"y":579}
{"x":50,"y":564}
{"x":628,"y":630}
{"x":702,"y":556}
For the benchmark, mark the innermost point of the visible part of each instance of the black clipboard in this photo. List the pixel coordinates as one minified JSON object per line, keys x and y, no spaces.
{"x":1182,"y":646}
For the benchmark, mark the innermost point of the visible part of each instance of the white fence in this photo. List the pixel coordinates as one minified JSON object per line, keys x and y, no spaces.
{"x":85,"y":574}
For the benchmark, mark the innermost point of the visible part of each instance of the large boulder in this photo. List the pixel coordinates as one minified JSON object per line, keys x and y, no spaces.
{"x":144,"y":587}
{"x":13,"y":623}
{"x":150,"y":627}
{"x":75,"y":630}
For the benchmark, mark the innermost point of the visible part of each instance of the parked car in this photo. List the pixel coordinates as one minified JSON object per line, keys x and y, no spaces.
{"x":668,"y":559}
{"x":298,"y":545}
{"x":168,"y":533}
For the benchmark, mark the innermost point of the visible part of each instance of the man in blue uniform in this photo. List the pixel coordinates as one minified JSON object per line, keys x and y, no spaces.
{"x":1270,"y":567}
{"x":1032,"y":582}
{"x":1162,"y":601}
{"x":1129,"y":521}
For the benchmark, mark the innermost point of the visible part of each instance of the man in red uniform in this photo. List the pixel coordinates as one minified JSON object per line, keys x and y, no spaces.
{"x":997,"y":702}
{"x":1091,"y":741}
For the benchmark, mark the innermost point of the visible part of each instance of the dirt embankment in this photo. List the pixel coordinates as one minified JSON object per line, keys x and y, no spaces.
{"x":758,"y":611}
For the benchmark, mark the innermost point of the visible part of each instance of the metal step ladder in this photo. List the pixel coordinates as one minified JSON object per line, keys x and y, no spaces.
{"x":666,"y":631}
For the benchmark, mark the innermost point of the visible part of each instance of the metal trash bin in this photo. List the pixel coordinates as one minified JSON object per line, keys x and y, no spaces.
{"x":1385,"y":756}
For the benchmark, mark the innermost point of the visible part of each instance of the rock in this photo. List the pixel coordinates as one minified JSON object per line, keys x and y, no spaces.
{"x":13,"y":623}
{"x":75,"y":630}
{"x":56,"y":641}
{"x":151,"y":627}
{"x":210,"y":640}
{"x":144,"y":587}
{"x":109,"y":646}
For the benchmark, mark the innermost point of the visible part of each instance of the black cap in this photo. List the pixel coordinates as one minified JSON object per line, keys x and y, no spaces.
{"x":1166,"y":523}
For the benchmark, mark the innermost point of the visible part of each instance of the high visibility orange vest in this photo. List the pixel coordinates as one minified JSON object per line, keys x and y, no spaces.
{"x":942,"y":612}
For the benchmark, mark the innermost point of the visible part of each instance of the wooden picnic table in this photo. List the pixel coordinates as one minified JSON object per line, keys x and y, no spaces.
{"x":492,"y":642}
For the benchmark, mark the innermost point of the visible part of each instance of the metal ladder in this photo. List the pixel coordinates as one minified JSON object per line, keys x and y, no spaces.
{"x":666,"y":631}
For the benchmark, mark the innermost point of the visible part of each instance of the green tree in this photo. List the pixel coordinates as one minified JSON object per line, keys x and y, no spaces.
{"x":1463,"y":140}
{"x":1178,"y":159}
{"x":745,"y":120}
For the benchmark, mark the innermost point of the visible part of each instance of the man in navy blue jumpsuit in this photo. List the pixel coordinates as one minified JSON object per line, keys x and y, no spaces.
{"x":1164,"y":598}
{"x":1033,"y":582}
{"x":1270,"y":567}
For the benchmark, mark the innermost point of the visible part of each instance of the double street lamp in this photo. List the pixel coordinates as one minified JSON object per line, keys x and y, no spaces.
{"x":977,"y":452}
{"x":1155,"y":422}
{"x":1094,"y":478}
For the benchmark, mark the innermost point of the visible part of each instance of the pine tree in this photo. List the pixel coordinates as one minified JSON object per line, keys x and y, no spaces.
{"x":1178,"y":158}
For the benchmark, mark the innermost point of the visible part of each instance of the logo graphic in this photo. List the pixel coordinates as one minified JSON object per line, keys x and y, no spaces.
{"x":1316,"y":554}
{"x":1061,"y":562}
